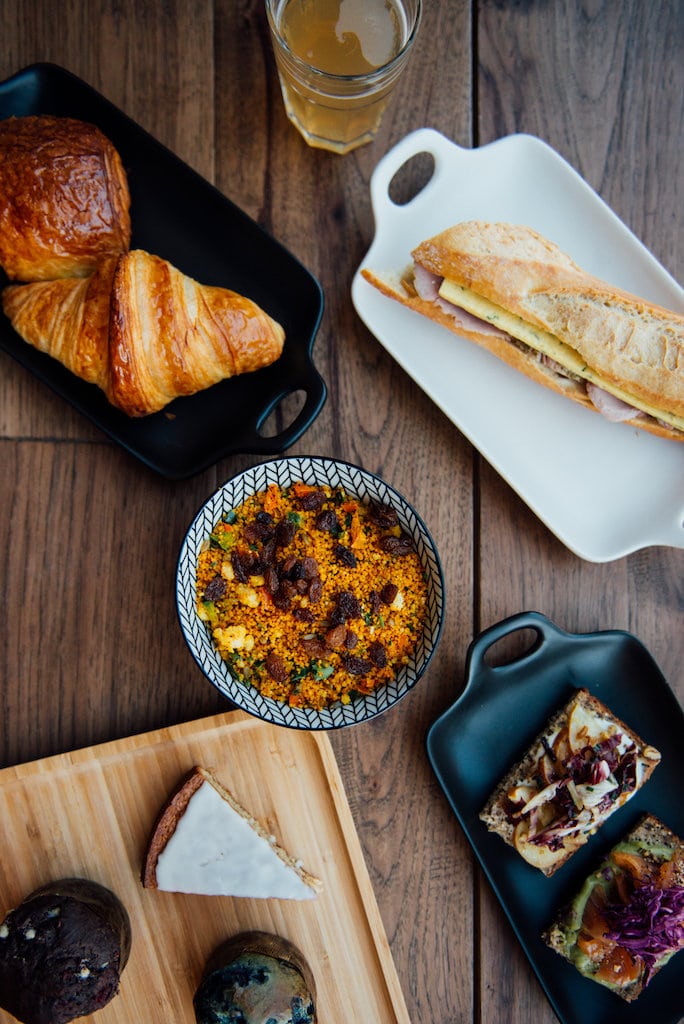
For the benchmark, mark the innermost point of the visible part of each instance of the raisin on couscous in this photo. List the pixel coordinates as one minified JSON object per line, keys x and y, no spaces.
{"x":312,"y":595}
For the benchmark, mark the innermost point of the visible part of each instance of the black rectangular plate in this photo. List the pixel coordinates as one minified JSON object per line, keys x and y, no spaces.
{"x":180,"y":216}
{"x":489,"y":727}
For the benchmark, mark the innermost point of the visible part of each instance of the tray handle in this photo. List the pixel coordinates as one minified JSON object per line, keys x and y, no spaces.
{"x":315,"y":391}
{"x":545,"y":629}
{"x":424,"y":140}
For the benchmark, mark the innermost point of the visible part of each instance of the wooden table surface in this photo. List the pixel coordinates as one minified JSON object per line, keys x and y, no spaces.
{"x":91,"y":649}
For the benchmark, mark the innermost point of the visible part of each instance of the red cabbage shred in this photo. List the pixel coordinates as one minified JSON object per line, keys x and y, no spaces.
{"x":650,"y":925}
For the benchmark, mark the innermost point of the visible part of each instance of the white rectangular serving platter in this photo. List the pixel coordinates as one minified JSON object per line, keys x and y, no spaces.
{"x":604,"y":489}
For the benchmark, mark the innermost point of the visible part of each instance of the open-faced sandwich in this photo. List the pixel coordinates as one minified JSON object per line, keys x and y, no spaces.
{"x":582,"y":767}
{"x":515,"y":293}
{"x":627,"y":920}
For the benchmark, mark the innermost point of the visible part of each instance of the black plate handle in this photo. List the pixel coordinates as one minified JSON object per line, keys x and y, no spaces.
{"x":545,"y":629}
{"x":315,"y":391}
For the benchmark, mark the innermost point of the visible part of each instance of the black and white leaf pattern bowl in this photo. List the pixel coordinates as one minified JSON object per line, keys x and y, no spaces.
{"x":318,"y":471}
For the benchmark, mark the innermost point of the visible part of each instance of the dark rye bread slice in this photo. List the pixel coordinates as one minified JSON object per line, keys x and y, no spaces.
{"x":651,"y":832}
{"x":526,"y":772}
{"x":657,"y":844}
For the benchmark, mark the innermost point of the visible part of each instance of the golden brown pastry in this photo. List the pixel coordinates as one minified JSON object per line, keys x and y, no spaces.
{"x":64,"y":198}
{"x":171,"y":336}
{"x":67,"y":318}
{"x":143,"y":331}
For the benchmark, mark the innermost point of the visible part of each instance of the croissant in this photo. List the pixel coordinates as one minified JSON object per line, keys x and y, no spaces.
{"x":67,"y":318}
{"x":143,"y":331}
{"x":64,"y":198}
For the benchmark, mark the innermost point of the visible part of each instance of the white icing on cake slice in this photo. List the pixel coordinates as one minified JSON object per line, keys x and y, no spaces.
{"x":217,"y":849}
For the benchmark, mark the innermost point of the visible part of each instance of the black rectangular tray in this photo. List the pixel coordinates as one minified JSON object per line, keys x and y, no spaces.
{"x":501,"y":709}
{"x":180,"y":216}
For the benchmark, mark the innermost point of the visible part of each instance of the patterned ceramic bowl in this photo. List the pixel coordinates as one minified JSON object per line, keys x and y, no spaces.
{"x":356,"y":482}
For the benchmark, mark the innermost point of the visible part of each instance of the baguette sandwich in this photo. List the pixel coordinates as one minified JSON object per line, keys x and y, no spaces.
{"x":582,"y":767}
{"x":516,"y":294}
{"x":627,"y":920}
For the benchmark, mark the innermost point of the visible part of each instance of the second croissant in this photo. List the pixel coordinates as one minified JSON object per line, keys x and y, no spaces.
{"x":143,"y":331}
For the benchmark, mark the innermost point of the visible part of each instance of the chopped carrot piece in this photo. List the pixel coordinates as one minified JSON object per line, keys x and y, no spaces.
{"x":300,"y":489}
{"x":271,"y":498}
{"x":632,"y":863}
{"x":355,"y":528}
{"x":667,"y":873}
{"x":593,"y":920}
{"x":593,"y":947}
{"x":618,"y":967}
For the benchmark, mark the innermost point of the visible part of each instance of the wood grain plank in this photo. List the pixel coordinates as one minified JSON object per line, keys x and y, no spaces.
{"x":92,"y":644}
{"x":603,"y":84}
{"x":376,"y":416}
{"x":582,"y":78}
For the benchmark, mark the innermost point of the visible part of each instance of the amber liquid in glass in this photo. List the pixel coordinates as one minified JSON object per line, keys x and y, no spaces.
{"x":343,"y":37}
{"x":340,"y":38}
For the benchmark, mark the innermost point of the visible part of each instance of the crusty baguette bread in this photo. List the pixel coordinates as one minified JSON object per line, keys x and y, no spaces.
{"x":624,"y":342}
{"x":649,"y":853}
{"x":143,"y":331}
{"x":402,"y":289}
{"x":229,"y":860}
{"x":561,"y":772}
{"x":64,"y":198}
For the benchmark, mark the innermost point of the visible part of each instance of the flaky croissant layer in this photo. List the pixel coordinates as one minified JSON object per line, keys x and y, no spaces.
{"x":143,"y":331}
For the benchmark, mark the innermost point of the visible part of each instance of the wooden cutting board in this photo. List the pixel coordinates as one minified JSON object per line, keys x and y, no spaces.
{"x":88,"y":813}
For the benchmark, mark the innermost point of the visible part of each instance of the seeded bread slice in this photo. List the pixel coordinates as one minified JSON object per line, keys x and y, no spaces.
{"x":585,"y":720}
{"x":658,"y":845}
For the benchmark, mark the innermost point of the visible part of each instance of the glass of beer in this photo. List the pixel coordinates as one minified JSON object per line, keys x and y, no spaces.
{"x":338,"y":61}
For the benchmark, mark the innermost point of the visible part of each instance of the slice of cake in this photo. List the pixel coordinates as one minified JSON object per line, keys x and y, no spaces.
{"x":62,"y":951}
{"x":205,"y":843}
{"x":627,"y":920}
{"x":582,"y":767}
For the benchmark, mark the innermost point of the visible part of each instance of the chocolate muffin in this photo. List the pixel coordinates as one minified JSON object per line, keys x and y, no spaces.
{"x":62,"y":951}
{"x":256,"y":978}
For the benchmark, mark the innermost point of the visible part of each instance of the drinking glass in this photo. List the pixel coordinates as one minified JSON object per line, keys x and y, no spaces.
{"x":338,"y":61}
